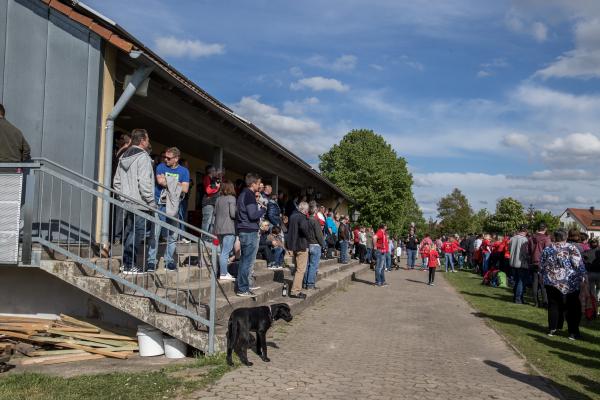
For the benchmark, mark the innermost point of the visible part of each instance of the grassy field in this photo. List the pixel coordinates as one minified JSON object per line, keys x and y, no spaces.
{"x":572,"y":366}
{"x":166,"y":383}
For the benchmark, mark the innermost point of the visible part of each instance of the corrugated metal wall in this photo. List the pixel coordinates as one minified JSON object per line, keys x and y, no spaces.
{"x":49,"y":82}
{"x":50,"y":75}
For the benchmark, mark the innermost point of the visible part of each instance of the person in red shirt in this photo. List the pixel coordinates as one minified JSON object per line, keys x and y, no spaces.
{"x":449,"y":247}
{"x":433,"y":261}
{"x":486,"y":250}
{"x":211,"y":184}
{"x":424,"y":249}
{"x":381,"y":247}
{"x":356,"y":238}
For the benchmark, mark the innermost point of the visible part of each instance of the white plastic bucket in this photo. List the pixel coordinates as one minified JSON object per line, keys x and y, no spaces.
{"x":150,"y":341}
{"x":174,"y":348}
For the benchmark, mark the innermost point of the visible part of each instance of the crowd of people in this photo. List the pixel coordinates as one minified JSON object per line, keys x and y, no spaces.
{"x":562,"y":269}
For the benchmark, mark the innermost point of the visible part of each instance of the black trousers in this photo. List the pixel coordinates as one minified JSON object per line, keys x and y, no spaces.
{"x":265,"y":253}
{"x":431,"y":274}
{"x":560,"y":304}
{"x":537,"y":286}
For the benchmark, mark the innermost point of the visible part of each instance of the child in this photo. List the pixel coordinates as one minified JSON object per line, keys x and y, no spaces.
{"x":425,"y":249}
{"x":433,"y":263}
{"x":277,"y":248}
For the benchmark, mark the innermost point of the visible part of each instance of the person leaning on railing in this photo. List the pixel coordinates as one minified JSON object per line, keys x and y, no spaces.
{"x":134,"y":178}
{"x":13,"y":145}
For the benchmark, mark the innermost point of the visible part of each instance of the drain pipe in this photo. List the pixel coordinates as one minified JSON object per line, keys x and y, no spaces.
{"x":137,"y":78}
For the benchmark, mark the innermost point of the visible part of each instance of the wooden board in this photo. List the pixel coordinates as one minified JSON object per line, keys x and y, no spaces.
{"x":76,"y":322}
{"x":104,"y":352}
{"x":60,"y":359}
{"x":43,"y":353}
{"x":67,"y":328}
{"x":88,"y":338}
{"x":110,"y":336}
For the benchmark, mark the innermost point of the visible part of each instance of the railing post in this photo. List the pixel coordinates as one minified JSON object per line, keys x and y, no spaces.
{"x":213,"y":298}
{"x":26,"y":248}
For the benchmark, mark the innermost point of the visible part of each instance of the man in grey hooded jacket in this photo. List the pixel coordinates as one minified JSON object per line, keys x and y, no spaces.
{"x":134,"y":178}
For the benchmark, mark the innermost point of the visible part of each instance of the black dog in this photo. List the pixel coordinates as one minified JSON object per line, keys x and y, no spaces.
{"x":256,"y":319}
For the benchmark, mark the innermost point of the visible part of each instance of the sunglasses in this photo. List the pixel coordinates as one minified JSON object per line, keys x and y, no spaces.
{"x":169,"y":158}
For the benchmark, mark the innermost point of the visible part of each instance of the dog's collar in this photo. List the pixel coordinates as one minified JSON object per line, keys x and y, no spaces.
{"x":270,"y":314}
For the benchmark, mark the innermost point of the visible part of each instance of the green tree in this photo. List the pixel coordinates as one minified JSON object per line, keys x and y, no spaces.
{"x":508,"y":217}
{"x":552,"y":221}
{"x":455,"y":213}
{"x":479,"y":220}
{"x":370,"y":171}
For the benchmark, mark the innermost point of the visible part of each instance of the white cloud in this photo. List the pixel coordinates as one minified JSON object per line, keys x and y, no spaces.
{"x":517,"y":140}
{"x":299,"y":107}
{"x":575,"y":148}
{"x":345,"y":62}
{"x":584,"y":60}
{"x":567,"y":174}
{"x":488,"y":68}
{"x":484,"y":74}
{"x":296,"y":72}
{"x":272,"y":120}
{"x":543,"y":97}
{"x":377,"y":67}
{"x":406,"y":60}
{"x":518,"y":23}
{"x":170,"y":46}
{"x":319,"y":83}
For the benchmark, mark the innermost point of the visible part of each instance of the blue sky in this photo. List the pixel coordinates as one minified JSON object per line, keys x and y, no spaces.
{"x":496,"y":98}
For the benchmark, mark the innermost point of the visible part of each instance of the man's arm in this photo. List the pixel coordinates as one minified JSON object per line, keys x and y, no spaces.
{"x":146,"y":181}
{"x":25,"y":149}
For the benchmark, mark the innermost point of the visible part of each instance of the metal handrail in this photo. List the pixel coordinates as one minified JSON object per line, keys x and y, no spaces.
{"x":43,"y":166}
{"x":42,"y":160}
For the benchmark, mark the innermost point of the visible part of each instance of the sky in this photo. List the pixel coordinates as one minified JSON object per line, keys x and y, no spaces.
{"x":497,"y":98}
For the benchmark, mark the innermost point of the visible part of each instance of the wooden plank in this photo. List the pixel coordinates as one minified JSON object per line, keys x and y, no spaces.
{"x":93,"y":350}
{"x":4,"y":318}
{"x":110,"y":336}
{"x":61,"y":359}
{"x":132,"y":347}
{"x":19,"y":329}
{"x":43,"y":339}
{"x":88,"y":338}
{"x":67,"y":328}
{"x":38,"y":353}
{"x":76,"y":322}
{"x":15,"y":334}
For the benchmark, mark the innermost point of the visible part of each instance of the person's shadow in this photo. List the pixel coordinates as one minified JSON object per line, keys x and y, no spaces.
{"x":546,"y":385}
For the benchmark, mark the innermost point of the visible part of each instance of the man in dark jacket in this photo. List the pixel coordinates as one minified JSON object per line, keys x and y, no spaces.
{"x":13,"y":146}
{"x":315,"y":244}
{"x":298,"y":232}
{"x":344,"y":236}
{"x":273,"y":211}
{"x":537,"y":243}
{"x":249,"y":214}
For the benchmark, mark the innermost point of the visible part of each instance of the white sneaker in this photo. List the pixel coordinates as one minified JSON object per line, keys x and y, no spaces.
{"x":227,"y":277}
{"x":186,"y":241}
{"x":254,"y":288}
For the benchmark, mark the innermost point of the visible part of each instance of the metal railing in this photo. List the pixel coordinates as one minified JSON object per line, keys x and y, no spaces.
{"x":60,"y":213}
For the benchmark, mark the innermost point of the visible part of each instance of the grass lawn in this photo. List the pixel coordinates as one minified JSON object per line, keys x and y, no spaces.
{"x":573,"y":366}
{"x":169,"y":382}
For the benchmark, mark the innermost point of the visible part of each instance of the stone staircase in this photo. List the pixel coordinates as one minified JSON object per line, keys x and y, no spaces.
{"x":189,"y":287}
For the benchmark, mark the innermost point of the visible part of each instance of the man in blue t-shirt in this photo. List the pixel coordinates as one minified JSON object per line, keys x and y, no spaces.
{"x":170,"y":167}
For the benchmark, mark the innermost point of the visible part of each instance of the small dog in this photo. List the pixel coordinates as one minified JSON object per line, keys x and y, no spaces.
{"x":256,"y":319}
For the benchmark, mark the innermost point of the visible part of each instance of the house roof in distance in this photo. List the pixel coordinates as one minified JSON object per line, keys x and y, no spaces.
{"x":588,"y":217}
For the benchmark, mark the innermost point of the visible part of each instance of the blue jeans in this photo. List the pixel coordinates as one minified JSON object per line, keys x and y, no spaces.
{"x":343,"y":251}
{"x":520,"y":275}
{"x":388,"y":261}
{"x":314,"y":256}
{"x":227,"y":242}
{"x":369,"y":255}
{"x":461,"y":261}
{"x":134,"y":235}
{"x":171,"y":241}
{"x":182,"y":214}
{"x":249,"y":245}
{"x":278,"y":255}
{"x":207,"y":218}
{"x":449,"y":261}
{"x":425,"y":263}
{"x":411,"y":258}
{"x":485,"y":262}
{"x":379,"y":268}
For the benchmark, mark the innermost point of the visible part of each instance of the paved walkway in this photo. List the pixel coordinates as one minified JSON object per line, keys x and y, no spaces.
{"x":406,"y":341}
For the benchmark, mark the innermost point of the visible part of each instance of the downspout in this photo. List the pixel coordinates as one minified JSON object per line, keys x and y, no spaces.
{"x":138,"y":77}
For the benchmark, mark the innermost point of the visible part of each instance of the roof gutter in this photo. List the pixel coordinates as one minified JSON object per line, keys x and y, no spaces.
{"x":137,"y":78}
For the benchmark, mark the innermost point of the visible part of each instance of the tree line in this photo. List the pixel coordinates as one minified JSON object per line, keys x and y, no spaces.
{"x":455,"y":215}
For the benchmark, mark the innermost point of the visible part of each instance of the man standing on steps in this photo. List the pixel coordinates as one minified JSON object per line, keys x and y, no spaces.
{"x":518,"y":262}
{"x":249,"y":213}
{"x":135,"y":179}
{"x":344,"y":236}
{"x":297,"y":243}
{"x":173,"y":183}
